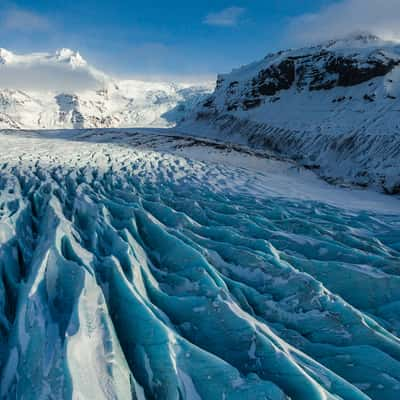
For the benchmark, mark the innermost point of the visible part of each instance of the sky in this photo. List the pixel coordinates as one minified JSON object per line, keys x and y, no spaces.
{"x":185,"y":39}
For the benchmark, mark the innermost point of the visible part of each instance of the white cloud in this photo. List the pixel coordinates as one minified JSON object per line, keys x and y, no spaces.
{"x":227,"y":17}
{"x":379,"y":17}
{"x":18,"y":19}
{"x":15,"y":19}
{"x":40,"y":77}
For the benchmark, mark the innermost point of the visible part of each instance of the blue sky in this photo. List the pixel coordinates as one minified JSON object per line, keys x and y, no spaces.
{"x":175,"y":38}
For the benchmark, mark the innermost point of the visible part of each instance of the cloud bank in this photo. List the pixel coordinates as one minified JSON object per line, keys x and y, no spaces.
{"x":379,"y":17}
{"x":227,"y":17}
{"x":51,"y":78}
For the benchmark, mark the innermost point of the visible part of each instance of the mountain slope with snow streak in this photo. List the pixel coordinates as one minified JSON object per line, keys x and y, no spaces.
{"x":61,"y":90}
{"x":335,"y":107}
{"x":148,"y":266}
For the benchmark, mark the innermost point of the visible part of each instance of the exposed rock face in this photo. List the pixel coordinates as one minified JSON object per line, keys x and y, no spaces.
{"x":317,"y":68}
{"x":350,"y":72}
{"x":274,"y":78}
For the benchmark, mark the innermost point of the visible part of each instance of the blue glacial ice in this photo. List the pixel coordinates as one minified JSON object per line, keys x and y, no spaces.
{"x":131,"y":276}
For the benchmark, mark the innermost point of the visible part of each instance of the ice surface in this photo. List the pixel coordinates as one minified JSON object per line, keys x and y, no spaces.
{"x":144,"y":269}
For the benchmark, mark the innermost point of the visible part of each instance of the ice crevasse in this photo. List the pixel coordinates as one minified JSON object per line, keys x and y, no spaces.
{"x":137,"y":279}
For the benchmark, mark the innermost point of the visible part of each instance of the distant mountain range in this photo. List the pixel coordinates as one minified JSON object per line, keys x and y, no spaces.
{"x":335,"y":107}
{"x":61,"y":90}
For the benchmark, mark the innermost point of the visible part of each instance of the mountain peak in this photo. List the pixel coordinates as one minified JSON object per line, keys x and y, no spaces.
{"x":5,"y":56}
{"x":357,"y":40}
{"x":364,"y":37}
{"x":63,"y":56}
{"x":71,"y":57}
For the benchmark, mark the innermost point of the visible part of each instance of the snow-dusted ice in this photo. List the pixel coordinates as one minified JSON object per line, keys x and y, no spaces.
{"x":138,"y":264}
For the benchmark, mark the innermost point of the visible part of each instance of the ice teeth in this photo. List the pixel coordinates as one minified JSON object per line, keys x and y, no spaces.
{"x":127,"y":270}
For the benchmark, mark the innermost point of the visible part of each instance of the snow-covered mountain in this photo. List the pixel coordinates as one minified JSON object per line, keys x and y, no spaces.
{"x":62,"y":90}
{"x":335,"y":107}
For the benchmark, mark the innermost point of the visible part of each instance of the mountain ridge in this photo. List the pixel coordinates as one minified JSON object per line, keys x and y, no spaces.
{"x":62,"y":90}
{"x":340,"y":92}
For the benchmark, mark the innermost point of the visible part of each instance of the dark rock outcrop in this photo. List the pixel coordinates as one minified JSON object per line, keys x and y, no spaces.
{"x":275,"y":78}
{"x":351,"y":72}
{"x":317,"y":68}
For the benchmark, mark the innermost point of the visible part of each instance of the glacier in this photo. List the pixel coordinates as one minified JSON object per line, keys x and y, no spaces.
{"x":147,"y":265}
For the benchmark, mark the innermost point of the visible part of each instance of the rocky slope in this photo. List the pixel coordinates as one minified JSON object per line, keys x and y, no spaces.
{"x":62,"y":90}
{"x":335,"y":107}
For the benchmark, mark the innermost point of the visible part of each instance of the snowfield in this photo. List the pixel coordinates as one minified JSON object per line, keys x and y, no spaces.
{"x":142,"y":264}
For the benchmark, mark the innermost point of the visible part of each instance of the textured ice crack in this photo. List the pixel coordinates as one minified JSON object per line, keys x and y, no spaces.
{"x":139,"y":274}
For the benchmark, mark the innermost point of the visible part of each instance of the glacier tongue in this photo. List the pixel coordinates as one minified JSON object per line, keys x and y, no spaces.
{"x":133,"y":272}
